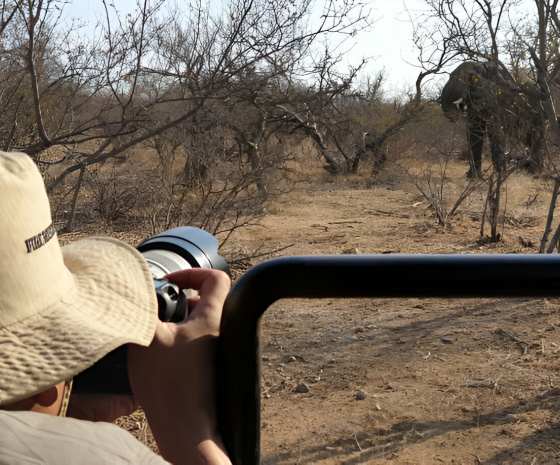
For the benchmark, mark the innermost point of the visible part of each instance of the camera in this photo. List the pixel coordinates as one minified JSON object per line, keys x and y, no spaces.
{"x":173,"y":250}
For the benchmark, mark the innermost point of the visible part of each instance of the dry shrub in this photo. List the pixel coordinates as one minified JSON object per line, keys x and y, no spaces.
{"x":113,"y":194}
{"x":431,"y":158}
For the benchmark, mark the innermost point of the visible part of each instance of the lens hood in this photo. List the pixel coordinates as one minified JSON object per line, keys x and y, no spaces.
{"x":198,"y":247}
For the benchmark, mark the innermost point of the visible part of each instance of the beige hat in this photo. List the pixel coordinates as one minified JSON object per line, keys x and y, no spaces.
{"x":61,"y":309}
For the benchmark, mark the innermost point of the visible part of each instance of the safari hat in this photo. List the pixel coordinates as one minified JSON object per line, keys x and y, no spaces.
{"x":61,"y":308}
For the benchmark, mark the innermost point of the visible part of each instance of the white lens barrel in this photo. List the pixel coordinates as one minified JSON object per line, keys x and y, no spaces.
{"x":162,"y":262}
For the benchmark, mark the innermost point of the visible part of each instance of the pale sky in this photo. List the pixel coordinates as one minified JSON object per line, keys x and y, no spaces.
{"x":388,"y":43}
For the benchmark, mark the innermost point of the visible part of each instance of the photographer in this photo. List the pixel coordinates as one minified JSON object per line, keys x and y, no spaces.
{"x":62,"y":309}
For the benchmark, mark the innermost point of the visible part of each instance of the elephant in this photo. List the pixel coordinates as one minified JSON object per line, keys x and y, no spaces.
{"x":495,"y":104}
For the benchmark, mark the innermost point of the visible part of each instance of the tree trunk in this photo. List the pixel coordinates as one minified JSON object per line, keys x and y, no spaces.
{"x":548,"y":226}
{"x":492,"y":207}
{"x":256,"y":168}
{"x":68,"y":227}
{"x":495,"y":208}
{"x":554,"y":240}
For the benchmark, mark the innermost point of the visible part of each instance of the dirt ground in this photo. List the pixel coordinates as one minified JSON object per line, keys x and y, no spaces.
{"x":407,"y":380}
{"x":402,"y":380}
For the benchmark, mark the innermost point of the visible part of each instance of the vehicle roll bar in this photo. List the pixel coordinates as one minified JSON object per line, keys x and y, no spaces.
{"x":348,"y":276}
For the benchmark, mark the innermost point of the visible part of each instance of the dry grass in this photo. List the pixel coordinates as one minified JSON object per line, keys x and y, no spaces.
{"x":137,"y":425}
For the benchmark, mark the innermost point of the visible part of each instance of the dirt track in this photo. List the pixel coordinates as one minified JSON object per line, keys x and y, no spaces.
{"x":464,"y":381}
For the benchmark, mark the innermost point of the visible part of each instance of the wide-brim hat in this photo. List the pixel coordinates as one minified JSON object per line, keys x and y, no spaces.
{"x":61,"y":308}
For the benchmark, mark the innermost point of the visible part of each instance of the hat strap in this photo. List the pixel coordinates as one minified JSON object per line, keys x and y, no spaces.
{"x":66,"y":397}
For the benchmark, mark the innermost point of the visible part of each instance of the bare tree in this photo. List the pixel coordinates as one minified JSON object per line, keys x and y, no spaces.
{"x":94,"y":97}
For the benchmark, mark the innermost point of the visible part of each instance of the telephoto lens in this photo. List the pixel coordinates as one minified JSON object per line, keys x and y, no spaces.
{"x":173,"y":250}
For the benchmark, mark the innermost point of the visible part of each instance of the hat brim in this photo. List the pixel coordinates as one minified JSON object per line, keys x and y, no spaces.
{"x":110,"y":303}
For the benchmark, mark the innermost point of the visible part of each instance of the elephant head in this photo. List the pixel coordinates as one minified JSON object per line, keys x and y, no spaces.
{"x":493,"y":104}
{"x":476,"y":87}
{"x":455,"y":92}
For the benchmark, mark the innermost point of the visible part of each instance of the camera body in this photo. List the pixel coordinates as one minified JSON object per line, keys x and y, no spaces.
{"x":173,"y":250}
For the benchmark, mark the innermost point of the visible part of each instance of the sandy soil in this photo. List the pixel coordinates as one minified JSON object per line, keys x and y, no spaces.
{"x":407,"y":380}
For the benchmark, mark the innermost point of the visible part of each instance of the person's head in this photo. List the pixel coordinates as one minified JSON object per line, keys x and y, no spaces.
{"x":61,"y":308}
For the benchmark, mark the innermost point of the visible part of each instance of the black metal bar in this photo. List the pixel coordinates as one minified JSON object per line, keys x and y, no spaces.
{"x":348,"y":276}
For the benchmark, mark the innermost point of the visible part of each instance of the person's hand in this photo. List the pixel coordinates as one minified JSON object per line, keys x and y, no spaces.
{"x":173,"y":378}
